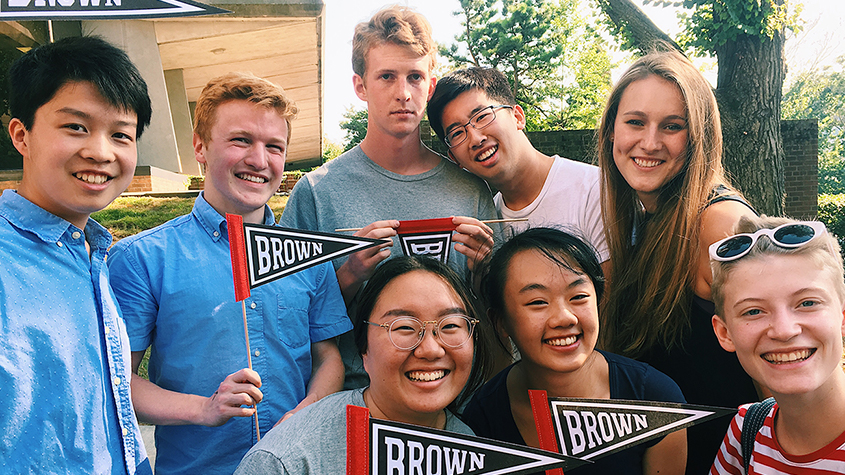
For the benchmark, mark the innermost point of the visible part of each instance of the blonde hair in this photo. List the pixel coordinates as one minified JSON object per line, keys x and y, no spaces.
{"x":392,"y":24}
{"x":240,"y":86}
{"x":651,"y":281}
{"x":823,"y":251}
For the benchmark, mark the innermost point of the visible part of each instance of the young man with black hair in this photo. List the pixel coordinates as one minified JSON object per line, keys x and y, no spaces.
{"x":78,"y":106}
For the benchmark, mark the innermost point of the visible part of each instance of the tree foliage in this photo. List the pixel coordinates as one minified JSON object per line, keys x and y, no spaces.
{"x":331,"y":149}
{"x":355,"y":126}
{"x":821,"y":95}
{"x":556,"y":63}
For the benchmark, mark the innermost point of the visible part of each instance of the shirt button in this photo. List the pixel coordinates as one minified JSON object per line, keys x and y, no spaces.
{"x":106,"y":330}
{"x":125,"y":432}
{"x":215,"y":233}
{"x":116,"y":381}
{"x":252,"y":305}
{"x":59,"y":244}
{"x":76,"y":234}
{"x":257,"y":353}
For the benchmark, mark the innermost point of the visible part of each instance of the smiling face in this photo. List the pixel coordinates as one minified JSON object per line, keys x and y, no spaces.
{"x":551,"y":313}
{"x":415,"y":386}
{"x":244,"y":158}
{"x":785,"y":321}
{"x":650,"y":136}
{"x":493,"y":152}
{"x":79,"y":155}
{"x":396,"y":87}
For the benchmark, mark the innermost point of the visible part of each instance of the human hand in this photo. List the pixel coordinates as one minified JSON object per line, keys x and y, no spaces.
{"x":361,"y":265}
{"x":237,"y":390}
{"x":473,"y":239}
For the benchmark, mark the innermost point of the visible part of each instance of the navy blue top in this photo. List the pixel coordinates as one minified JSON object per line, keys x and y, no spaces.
{"x":489,"y":412}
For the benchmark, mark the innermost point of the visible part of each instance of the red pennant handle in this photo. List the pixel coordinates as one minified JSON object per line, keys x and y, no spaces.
{"x":543,"y":421}
{"x":357,"y":440}
{"x":237,"y":251}
{"x":425,"y":225}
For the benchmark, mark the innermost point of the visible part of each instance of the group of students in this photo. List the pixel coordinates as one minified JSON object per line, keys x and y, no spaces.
{"x":704,"y":302}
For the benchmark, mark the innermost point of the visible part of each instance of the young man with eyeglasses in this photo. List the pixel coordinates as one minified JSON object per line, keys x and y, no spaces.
{"x":475,"y":113}
{"x":391,"y":175}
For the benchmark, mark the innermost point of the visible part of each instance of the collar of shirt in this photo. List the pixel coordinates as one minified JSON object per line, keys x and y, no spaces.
{"x":214,"y":223}
{"x":26,"y":215}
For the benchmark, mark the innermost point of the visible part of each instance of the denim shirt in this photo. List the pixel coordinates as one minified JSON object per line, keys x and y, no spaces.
{"x":64,"y":357}
{"x":175,"y":285}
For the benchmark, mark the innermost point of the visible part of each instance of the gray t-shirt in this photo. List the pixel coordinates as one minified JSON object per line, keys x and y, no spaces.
{"x":352,"y":191}
{"x":313,"y":441}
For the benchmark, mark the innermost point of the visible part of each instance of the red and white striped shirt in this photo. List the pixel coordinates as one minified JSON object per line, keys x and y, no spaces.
{"x":768,"y":458}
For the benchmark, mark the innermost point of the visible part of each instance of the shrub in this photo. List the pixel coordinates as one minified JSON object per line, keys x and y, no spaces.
{"x":832,"y":214}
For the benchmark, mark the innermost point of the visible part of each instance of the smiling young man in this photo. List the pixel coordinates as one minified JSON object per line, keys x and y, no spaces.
{"x":175,"y":283}
{"x":391,"y":175}
{"x":475,"y":114}
{"x":78,"y":107}
{"x":780,"y":303}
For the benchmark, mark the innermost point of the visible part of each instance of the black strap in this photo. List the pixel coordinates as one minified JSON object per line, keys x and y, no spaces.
{"x":751,"y":424}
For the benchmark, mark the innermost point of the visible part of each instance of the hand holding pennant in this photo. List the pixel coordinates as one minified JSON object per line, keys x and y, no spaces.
{"x":262,"y":254}
{"x":430,"y":237}
{"x":595,"y":428}
{"x":381,"y":447}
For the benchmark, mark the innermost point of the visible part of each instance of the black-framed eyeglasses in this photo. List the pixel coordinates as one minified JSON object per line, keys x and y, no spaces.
{"x":406,"y":333}
{"x":478,"y":121}
{"x":788,"y":235}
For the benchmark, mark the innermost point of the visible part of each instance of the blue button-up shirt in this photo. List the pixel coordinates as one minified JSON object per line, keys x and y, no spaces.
{"x":64,"y":354}
{"x":175,"y":285}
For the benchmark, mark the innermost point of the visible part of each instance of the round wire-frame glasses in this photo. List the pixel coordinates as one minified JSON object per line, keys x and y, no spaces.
{"x":406,"y":333}
{"x":484,"y":117}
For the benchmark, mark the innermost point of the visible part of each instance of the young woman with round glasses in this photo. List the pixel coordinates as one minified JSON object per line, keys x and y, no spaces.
{"x":542,"y":290}
{"x":417,"y":332}
{"x":665,"y":199}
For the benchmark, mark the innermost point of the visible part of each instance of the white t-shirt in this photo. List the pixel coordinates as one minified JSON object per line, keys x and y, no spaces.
{"x":570,"y":200}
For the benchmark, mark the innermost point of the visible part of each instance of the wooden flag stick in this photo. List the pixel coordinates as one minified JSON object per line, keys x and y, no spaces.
{"x":249,"y":363}
{"x":489,"y":221}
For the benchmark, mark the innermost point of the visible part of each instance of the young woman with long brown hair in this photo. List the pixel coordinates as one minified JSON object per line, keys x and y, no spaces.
{"x":665,"y":199}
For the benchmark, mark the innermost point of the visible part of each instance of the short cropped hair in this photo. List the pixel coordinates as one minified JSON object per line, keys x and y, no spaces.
{"x":823,"y":251}
{"x":564,"y":249}
{"x":400,"y":266}
{"x":36,"y":77}
{"x":240,"y":86}
{"x":393,"y":24}
{"x":491,"y":81}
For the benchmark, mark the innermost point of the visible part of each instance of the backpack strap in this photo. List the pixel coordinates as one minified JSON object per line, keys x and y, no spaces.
{"x":755,"y":416}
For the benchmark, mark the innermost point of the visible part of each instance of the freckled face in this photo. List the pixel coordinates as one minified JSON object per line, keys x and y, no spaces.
{"x":415,"y":386}
{"x":79,"y":155}
{"x":650,"y":136}
{"x":396,"y":87}
{"x":785,"y":322}
{"x":551,"y":313}
{"x":244,"y":158}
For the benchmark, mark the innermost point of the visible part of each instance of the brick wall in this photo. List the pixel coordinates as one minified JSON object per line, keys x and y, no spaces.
{"x":800,"y":144}
{"x":801,"y":167}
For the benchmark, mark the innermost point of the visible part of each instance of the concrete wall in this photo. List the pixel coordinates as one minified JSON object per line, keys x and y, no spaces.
{"x":800,"y":144}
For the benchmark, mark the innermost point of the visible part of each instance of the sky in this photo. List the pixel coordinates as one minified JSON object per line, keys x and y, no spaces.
{"x":819,"y":44}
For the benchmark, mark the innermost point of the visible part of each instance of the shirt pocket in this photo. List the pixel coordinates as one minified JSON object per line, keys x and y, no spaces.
{"x":292,"y":312}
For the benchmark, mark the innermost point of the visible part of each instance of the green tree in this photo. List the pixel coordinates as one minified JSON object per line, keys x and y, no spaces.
{"x":821,"y":95}
{"x":556,"y":63}
{"x":331,"y":149}
{"x":747,"y":39}
{"x":355,"y":125}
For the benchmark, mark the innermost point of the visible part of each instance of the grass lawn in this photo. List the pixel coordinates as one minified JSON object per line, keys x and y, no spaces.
{"x":130,"y":215}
